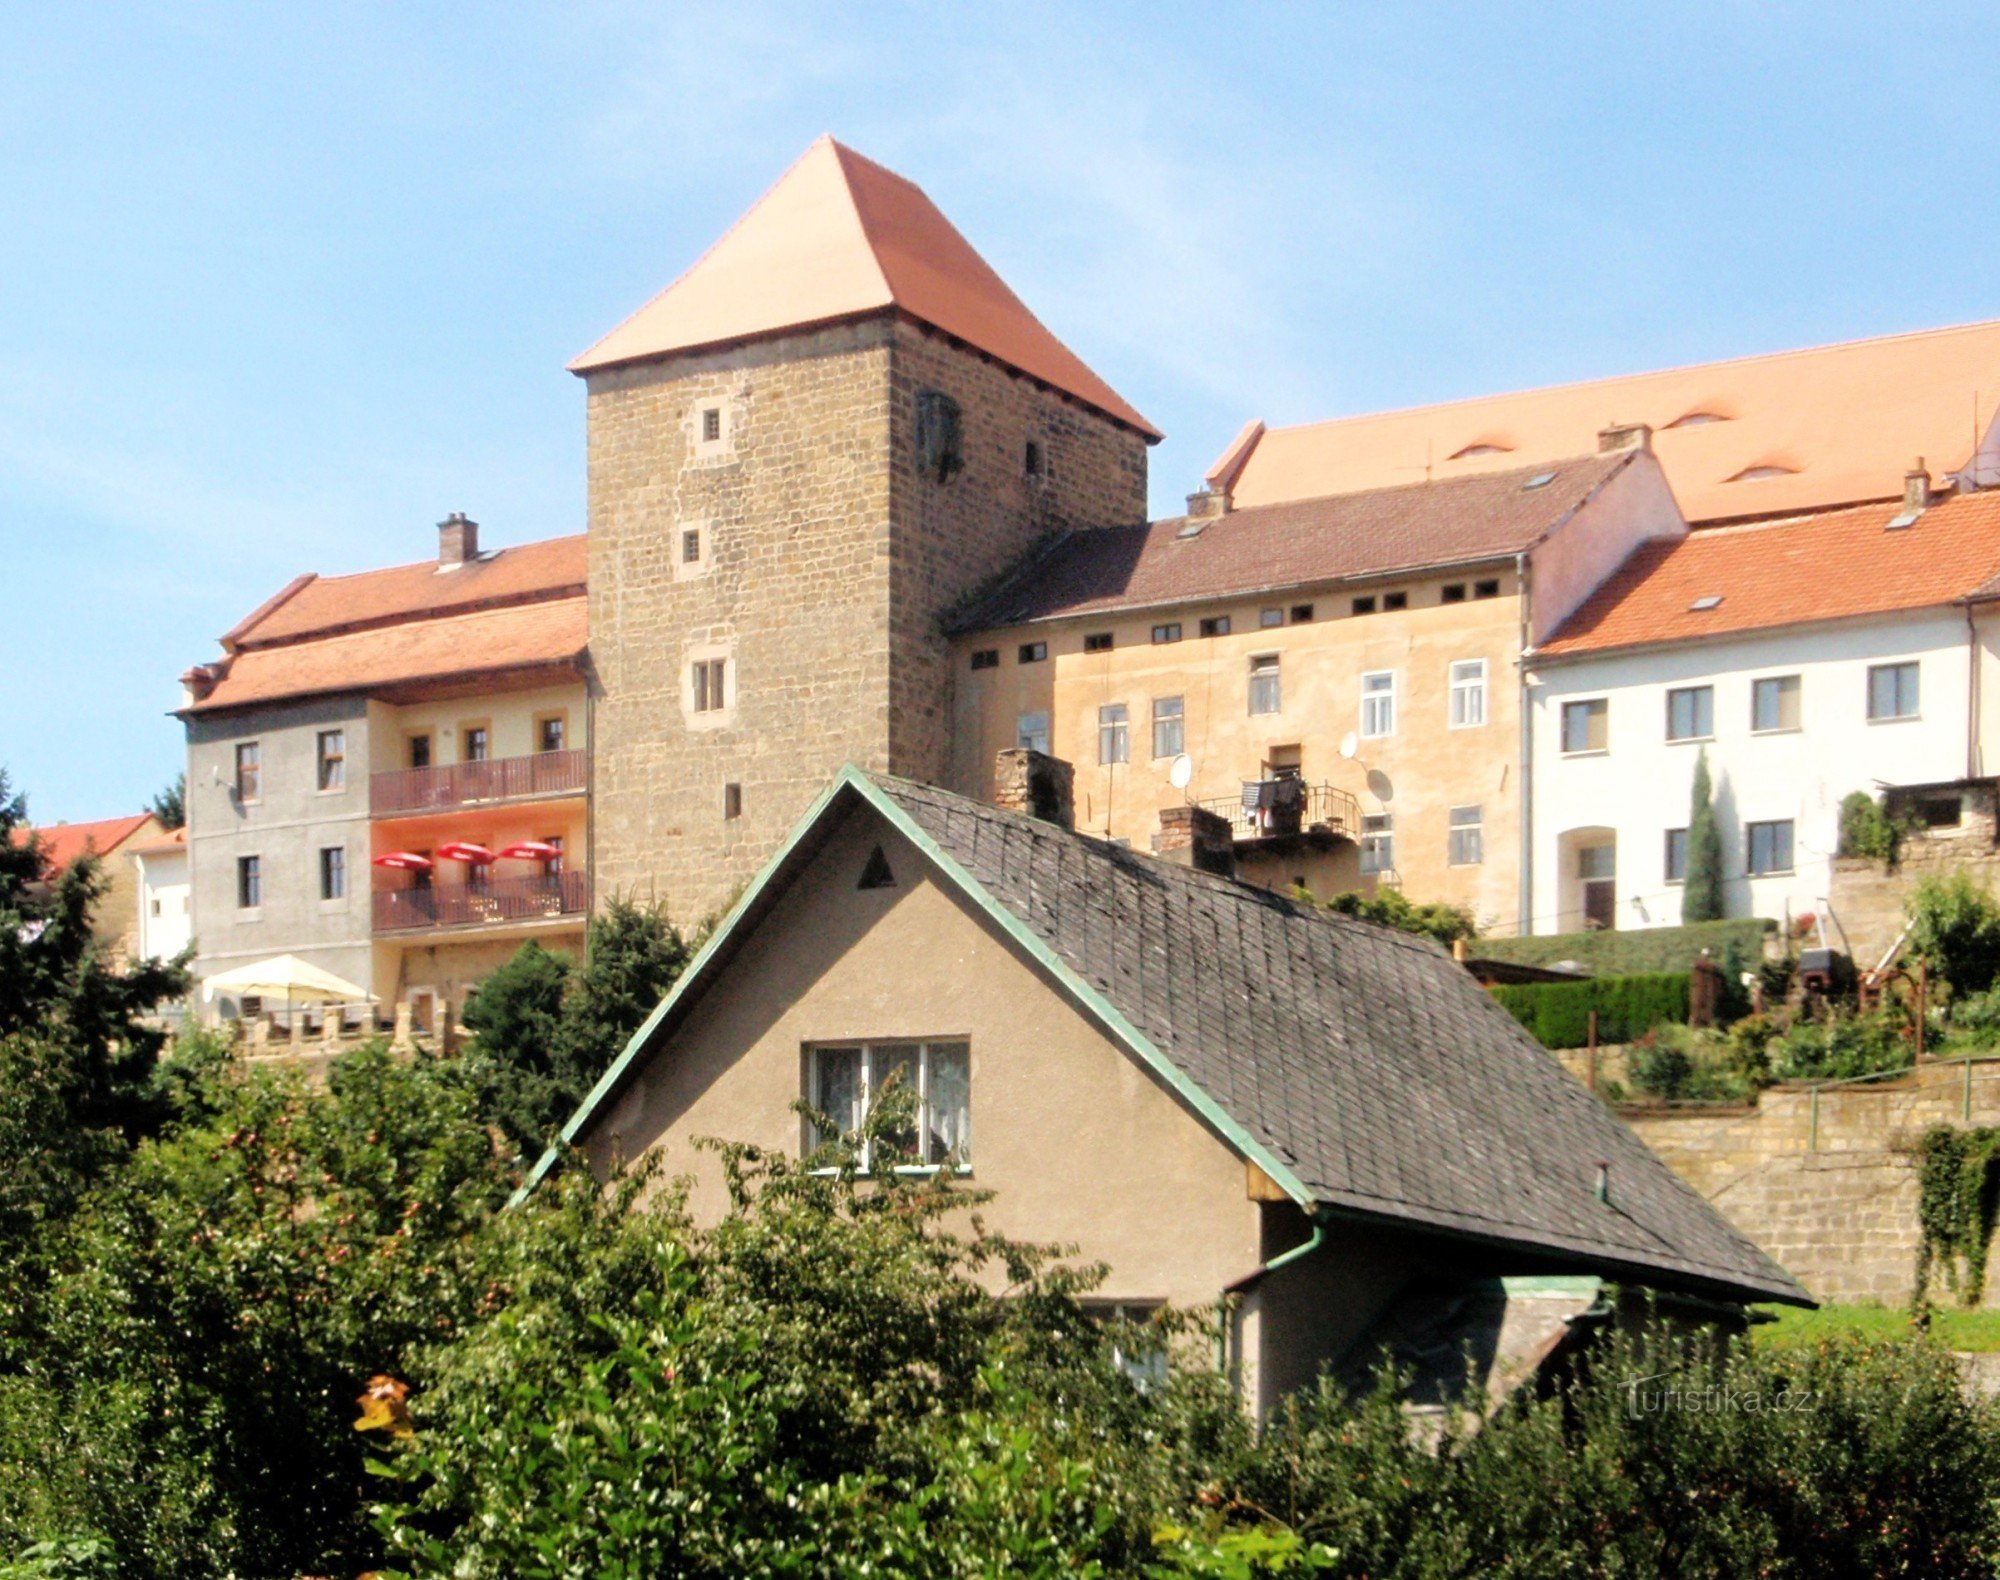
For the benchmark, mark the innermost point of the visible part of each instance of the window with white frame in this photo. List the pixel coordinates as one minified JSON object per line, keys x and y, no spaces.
{"x":1265,"y":695}
{"x":1031,"y":730}
{"x":1378,"y":703}
{"x":847,"y":1081}
{"x":1677,"y":855}
{"x":1468,"y":693}
{"x":1169,"y":727}
{"x":1892,"y":692}
{"x":1770,"y":846}
{"x":709,"y":683}
{"x":1691,"y":713}
{"x":1466,"y":839}
{"x":1114,"y":733}
{"x":1378,"y":842}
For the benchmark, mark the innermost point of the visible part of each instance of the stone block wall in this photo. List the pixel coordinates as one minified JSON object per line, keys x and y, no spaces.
{"x":826,"y":561}
{"x":1868,"y":895}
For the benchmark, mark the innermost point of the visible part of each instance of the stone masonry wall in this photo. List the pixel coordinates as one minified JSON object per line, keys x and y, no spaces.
{"x":826,"y":562}
{"x":1833,"y":1199}
{"x":1868,"y":895}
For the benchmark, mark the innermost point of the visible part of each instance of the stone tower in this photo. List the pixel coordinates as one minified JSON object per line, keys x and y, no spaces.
{"x":802,"y":453}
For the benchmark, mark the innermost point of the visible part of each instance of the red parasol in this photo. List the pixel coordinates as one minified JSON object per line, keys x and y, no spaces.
{"x":530,"y":850}
{"x":404,"y":861}
{"x":464,"y":850}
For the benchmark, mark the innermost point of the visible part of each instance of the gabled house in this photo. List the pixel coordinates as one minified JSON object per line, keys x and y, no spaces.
{"x":116,"y":919}
{"x":1211,"y":1089}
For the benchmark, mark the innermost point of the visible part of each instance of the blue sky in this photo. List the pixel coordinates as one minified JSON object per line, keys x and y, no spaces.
{"x":281,"y":286}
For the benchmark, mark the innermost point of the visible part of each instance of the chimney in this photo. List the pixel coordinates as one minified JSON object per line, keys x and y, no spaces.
{"x":1916,"y":487}
{"x":458,"y":541}
{"x":1036,"y":784}
{"x":1624,"y":436}
{"x":1195,"y":837}
{"x":1208,"y":503}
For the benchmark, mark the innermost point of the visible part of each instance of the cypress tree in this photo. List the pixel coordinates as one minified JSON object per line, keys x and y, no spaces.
{"x":1701,"y":899}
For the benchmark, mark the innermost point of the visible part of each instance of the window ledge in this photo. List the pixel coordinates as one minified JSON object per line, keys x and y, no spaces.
{"x":1898,"y":718}
{"x":1782,"y":729}
{"x":1589,"y":751}
{"x":1690,"y":740}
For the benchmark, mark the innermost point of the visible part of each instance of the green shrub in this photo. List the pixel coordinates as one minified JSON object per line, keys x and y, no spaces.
{"x":1843,"y":1046}
{"x":1621,"y":952}
{"x":1558,"y":1013}
{"x":1865,"y":829}
{"x":1956,"y":930}
{"x":1390,"y":907}
{"x":1680,"y":1063}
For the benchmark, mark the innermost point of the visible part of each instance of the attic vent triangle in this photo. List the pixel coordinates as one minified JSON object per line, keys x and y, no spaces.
{"x":875,"y":873}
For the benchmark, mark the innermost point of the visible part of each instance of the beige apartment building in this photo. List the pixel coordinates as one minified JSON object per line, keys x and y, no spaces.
{"x":1338,"y":677}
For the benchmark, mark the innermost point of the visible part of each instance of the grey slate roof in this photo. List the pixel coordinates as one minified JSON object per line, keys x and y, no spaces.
{"x":1366,"y":1059}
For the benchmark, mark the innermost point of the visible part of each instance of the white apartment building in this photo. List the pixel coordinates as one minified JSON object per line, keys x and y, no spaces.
{"x":1806,"y":658}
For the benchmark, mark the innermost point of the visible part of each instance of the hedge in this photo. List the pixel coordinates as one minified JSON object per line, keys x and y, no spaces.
{"x":1558,"y":1013}
{"x":1612,"y":952}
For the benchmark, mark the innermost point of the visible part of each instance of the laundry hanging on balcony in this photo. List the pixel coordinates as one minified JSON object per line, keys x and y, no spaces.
{"x":464,"y":850}
{"x":404,"y":861}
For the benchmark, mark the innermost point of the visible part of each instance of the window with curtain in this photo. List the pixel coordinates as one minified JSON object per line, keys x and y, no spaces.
{"x":848,"y":1080}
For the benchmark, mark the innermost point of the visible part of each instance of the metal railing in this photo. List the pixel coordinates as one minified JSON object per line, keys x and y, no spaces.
{"x":445,"y":785}
{"x":1273,"y":808}
{"x":473,"y":905}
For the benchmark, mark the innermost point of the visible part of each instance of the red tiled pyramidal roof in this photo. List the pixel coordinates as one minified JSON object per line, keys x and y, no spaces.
{"x":1836,"y":565}
{"x":841,"y":237}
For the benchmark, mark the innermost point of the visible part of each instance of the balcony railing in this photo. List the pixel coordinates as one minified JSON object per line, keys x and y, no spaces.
{"x":1275,"y":808}
{"x":473,"y":905}
{"x":446,"y":785}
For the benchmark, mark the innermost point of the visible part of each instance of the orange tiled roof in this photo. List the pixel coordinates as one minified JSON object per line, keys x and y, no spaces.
{"x":64,"y":842}
{"x":1309,"y":542}
{"x":1832,"y":426}
{"x":838,"y":237}
{"x":516,"y":636}
{"x":1824,"y":567}
{"x":314,"y":605}
{"x":172,"y":842}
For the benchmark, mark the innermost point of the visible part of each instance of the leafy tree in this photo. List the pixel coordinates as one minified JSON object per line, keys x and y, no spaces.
{"x":546,"y":1030}
{"x":170,"y":805}
{"x":1392,"y":908}
{"x":1701,"y":894}
{"x":1956,"y":930}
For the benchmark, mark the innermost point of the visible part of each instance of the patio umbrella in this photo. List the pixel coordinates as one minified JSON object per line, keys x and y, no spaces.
{"x":298,"y":980}
{"x":464,"y":850}
{"x":404,"y":861}
{"x":530,"y":850}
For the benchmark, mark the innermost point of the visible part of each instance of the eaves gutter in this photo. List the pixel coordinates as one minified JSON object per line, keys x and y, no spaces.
{"x":1743,"y":633}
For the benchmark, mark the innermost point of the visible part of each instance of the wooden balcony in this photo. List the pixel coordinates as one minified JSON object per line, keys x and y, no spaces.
{"x":543,"y":776}
{"x":500,"y":902}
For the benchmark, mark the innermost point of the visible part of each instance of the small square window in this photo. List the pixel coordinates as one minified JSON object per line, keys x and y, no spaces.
{"x":1031,"y":730}
{"x":1215,"y":625}
{"x":1586,"y":726}
{"x":1033,"y":652}
{"x":732,"y":801}
{"x":1364,"y":605}
{"x":1770,"y":846}
{"x":986,"y":658}
{"x":1270,"y":617}
{"x":1170,"y":632}
{"x":475,"y":742}
{"x":1486,"y":589}
{"x":1394,"y":601}
{"x":551,"y":732}
{"x":1691,"y":713}
{"x":711,"y":424}
{"x":691,"y":546}
{"x":1453,"y":592}
{"x":1302,"y":614}
{"x":1892,"y":692}
{"x":1097,"y":642}
{"x":1774,"y":703}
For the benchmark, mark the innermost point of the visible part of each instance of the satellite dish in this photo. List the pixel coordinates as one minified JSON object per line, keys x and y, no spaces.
{"x":1181,"y":775}
{"x":1350,"y":743}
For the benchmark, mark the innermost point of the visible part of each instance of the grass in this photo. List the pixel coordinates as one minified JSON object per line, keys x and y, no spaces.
{"x":1953,"y":1328}
{"x":1619,"y":952}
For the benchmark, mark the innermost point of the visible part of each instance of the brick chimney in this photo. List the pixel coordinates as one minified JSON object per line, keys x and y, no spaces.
{"x":1208,"y":503}
{"x":1917,"y":487}
{"x":1624,"y":436}
{"x":1196,"y":837}
{"x":458,"y":541}
{"x":1036,"y":784}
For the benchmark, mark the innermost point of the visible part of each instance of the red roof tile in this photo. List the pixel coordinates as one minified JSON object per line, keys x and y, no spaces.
{"x":314,"y":605}
{"x":516,"y":636}
{"x":1271,"y":547}
{"x":64,"y":842}
{"x":1825,"y":567}
{"x":839,"y":237}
